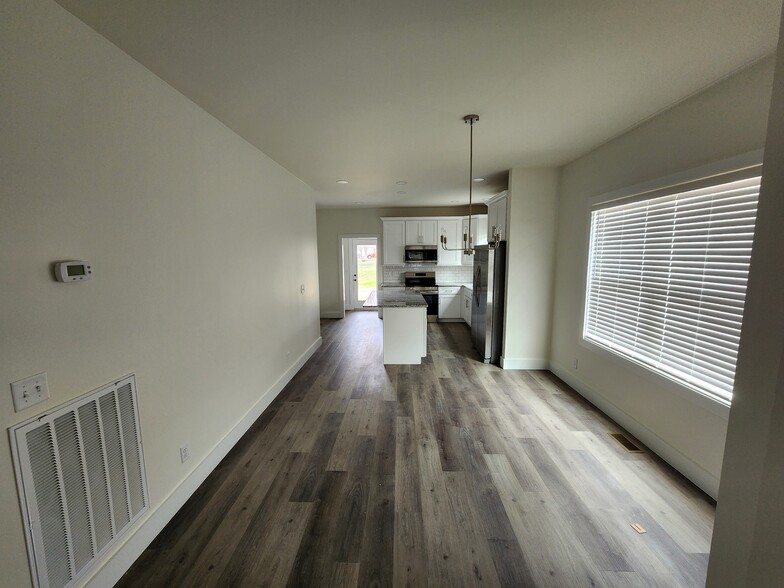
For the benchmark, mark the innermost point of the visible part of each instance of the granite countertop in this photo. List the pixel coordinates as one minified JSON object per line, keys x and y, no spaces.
{"x":398,"y":297}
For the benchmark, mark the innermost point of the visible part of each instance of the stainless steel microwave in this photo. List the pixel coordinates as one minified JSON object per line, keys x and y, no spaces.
{"x":421,"y":254}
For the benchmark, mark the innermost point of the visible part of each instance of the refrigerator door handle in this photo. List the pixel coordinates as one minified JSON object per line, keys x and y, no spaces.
{"x":477,"y":281}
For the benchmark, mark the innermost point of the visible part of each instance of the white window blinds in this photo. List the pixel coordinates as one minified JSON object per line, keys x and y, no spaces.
{"x":667,"y":282}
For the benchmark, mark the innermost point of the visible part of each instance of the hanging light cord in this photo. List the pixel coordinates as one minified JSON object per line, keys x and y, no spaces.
{"x":471,"y":120}
{"x":467,"y":248}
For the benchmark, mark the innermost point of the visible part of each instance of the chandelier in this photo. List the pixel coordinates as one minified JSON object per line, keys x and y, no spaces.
{"x":468,"y":246}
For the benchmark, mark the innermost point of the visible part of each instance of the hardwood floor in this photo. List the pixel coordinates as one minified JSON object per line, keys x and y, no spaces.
{"x":452,"y":473}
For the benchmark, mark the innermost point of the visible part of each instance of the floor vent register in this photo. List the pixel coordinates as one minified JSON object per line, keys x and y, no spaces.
{"x":625,"y":442}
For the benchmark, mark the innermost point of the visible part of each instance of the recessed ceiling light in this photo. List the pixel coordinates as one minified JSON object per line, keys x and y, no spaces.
{"x":479,"y":179}
{"x":401,"y":183}
{"x":400,"y":192}
{"x":342,"y":181}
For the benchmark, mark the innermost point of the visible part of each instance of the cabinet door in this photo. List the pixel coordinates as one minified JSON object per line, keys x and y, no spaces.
{"x":413,"y":236}
{"x":465,"y":259}
{"x":428,"y":231}
{"x":451,"y":230}
{"x":466,"y":309}
{"x":479,"y":229}
{"x":492,"y":220}
{"x":502,"y":219}
{"x":496,"y":219}
{"x":449,"y":306}
{"x":394,"y":240}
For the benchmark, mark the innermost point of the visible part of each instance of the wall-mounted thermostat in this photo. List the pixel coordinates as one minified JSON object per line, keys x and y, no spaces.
{"x":73,"y":271}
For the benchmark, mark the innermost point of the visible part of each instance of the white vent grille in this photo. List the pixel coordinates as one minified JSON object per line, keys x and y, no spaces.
{"x":80,"y":471}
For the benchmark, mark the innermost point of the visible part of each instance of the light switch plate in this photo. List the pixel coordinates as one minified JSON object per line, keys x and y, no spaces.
{"x":30,"y":391}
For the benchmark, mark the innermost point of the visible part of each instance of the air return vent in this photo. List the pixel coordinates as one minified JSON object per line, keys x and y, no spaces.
{"x":81,"y":478}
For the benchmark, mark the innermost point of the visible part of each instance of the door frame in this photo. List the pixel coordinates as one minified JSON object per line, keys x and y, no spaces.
{"x":342,"y":245}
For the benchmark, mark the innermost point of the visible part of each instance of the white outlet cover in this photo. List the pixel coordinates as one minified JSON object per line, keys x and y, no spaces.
{"x":185,"y":453}
{"x":30,"y":391}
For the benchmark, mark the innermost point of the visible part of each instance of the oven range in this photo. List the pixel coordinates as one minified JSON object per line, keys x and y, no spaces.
{"x":424,"y":283}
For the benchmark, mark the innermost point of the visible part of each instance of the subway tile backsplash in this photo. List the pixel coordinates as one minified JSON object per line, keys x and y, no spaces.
{"x":445,"y":275}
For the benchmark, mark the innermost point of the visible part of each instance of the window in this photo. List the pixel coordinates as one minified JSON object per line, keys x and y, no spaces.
{"x":667,"y":281}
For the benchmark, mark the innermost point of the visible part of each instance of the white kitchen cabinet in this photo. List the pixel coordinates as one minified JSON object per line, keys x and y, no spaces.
{"x":467,"y":298}
{"x":449,"y":303}
{"x":478,"y":234}
{"x":496,"y":217}
{"x":394,"y":238}
{"x":451,"y":229}
{"x":421,"y":232}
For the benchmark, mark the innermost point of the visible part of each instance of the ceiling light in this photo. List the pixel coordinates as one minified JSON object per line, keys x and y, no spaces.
{"x":468,"y":246}
{"x":401,"y":182}
{"x":400,"y":192}
{"x":479,"y":179}
{"x":342,"y":182}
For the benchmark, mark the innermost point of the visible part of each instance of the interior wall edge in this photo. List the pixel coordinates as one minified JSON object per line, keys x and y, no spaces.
{"x":525,"y":363}
{"x":331,"y":314}
{"x":703,"y":479}
{"x":148,"y":529}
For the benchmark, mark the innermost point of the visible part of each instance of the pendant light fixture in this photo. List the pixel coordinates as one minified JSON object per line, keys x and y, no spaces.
{"x":468,"y":245}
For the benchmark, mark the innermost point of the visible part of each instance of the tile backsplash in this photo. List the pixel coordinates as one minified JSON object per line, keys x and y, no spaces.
{"x":445,"y":275}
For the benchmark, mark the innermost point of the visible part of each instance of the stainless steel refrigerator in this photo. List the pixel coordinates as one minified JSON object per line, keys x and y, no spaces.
{"x":487,"y":312}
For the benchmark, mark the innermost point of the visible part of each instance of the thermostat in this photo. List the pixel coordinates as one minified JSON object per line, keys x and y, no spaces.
{"x":73,"y":271}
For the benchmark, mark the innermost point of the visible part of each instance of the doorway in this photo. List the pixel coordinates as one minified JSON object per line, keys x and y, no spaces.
{"x":360,"y":270}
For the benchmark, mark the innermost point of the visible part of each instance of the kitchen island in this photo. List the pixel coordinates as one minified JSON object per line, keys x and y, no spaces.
{"x":405,"y":325}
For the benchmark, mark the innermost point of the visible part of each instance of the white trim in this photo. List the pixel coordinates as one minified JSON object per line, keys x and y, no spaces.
{"x":127,"y":553}
{"x":685,"y":465}
{"x":332,"y":314}
{"x":524,"y":363}
{"x":731,"y":164}
{"x":497,"y":197}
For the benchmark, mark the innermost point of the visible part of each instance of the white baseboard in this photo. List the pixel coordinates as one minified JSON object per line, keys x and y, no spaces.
{"x":694,"y":472}
{"x":337,"y":314}
{"x":519,"y":363}
{"x":147,"y":529}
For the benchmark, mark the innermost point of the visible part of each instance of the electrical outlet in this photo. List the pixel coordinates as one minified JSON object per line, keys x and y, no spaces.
{"x":576,"y":363}
{"x":185,"y":453}
{"x":302,"y":288}
{"x":30,"y":391}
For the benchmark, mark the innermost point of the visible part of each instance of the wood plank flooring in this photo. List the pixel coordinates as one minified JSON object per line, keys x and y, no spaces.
{"x":452,"y":473}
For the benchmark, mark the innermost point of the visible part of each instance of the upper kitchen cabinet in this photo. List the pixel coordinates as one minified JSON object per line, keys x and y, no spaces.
{"x":394,"y":241}
{"x":421,"y":232}
{"x":496,"y":217}
{"x":452,"y":230}
{"x":478,"y":234}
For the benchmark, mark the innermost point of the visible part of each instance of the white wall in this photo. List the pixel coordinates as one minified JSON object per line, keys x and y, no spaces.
{"x":725,"y":120}
{"x":748,"y":538}
{"x":531,"y":216}
{"x":199,"y":241}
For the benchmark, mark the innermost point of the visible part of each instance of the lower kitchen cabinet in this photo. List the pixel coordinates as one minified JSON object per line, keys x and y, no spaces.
{"x":466,"y":298}
{"x":450,"y":303}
